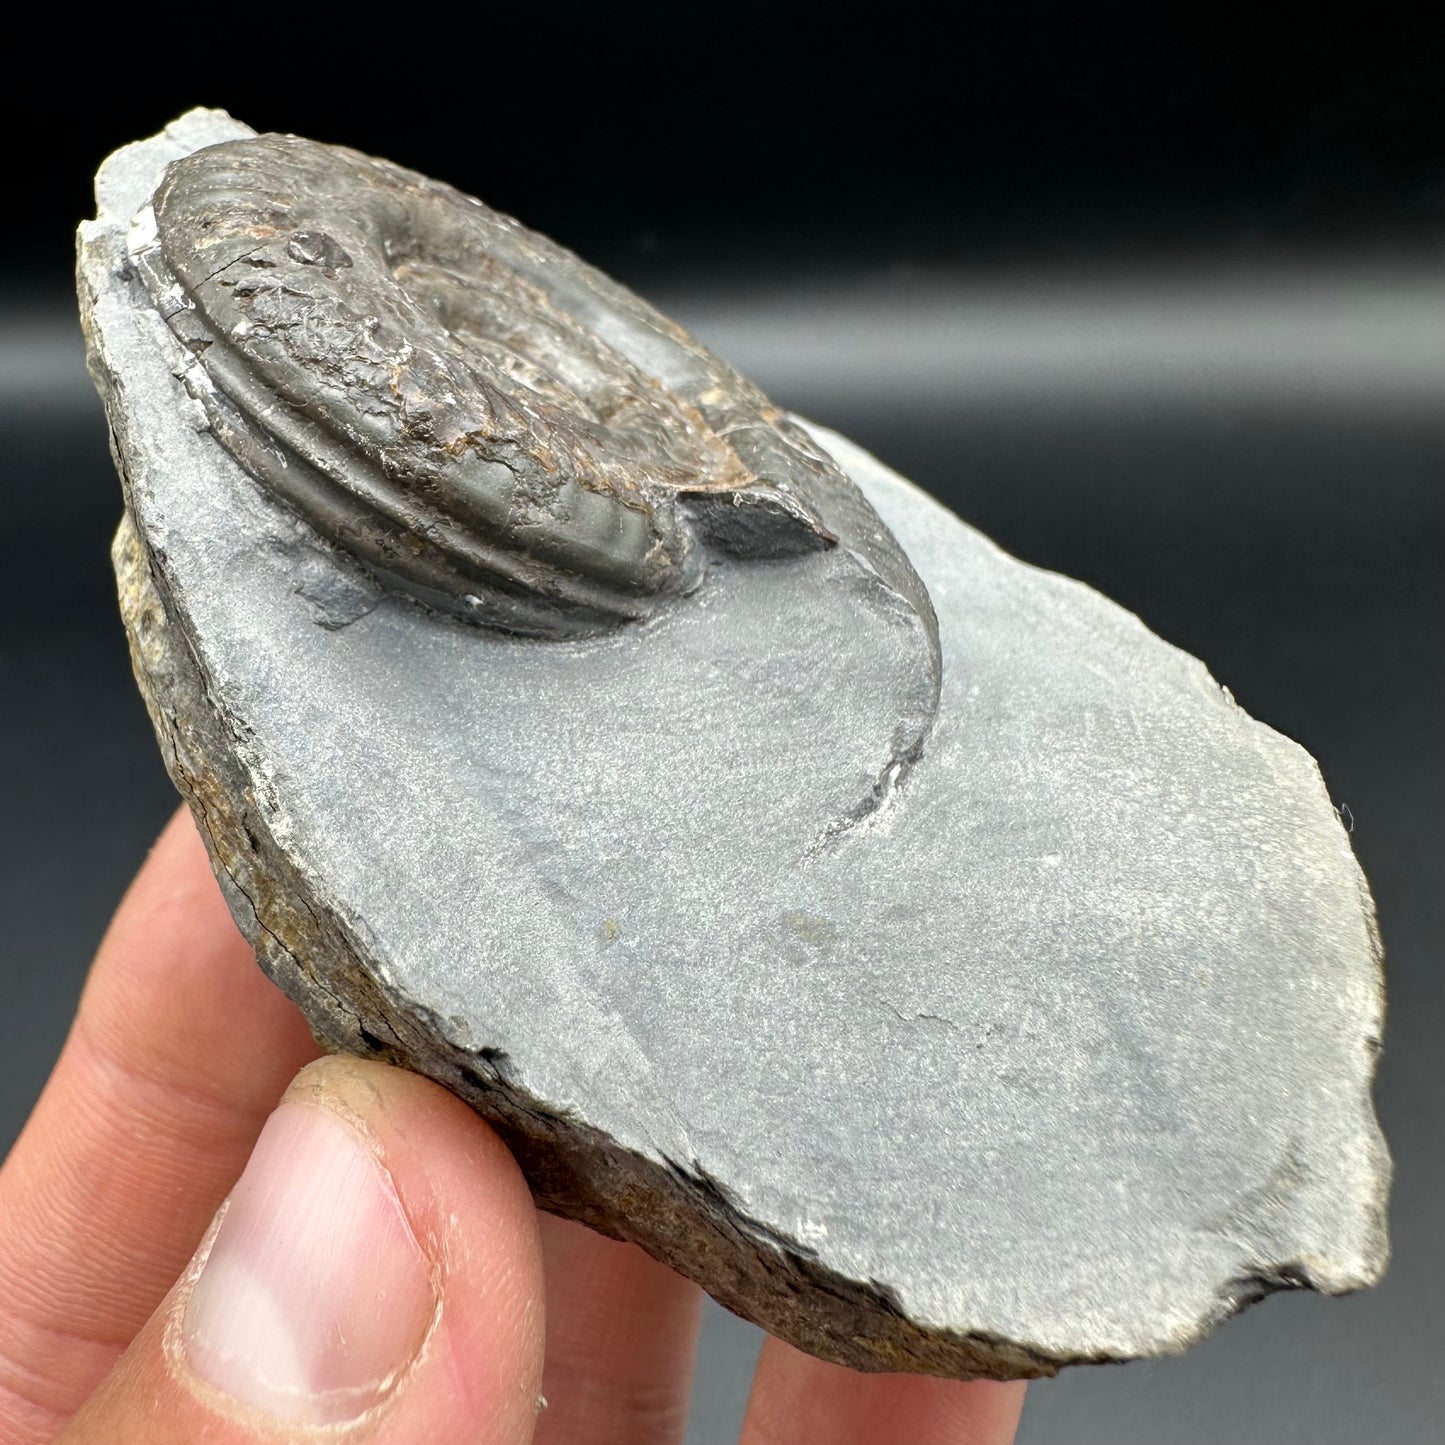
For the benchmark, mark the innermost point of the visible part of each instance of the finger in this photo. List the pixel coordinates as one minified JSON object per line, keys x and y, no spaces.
{"x":797,"y":1400}
{"x":621,"y":1337}
{"x":180,"y":1049}
{"x":375,"y":1276}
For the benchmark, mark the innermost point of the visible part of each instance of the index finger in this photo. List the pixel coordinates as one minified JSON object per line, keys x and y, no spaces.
{"x":180,"y":1049}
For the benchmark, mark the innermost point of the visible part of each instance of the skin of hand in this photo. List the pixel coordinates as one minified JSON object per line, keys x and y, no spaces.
{"x":209,"y":1235}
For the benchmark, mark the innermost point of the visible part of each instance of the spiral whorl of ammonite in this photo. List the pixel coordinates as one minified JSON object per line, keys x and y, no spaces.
{"x":488,"y":423}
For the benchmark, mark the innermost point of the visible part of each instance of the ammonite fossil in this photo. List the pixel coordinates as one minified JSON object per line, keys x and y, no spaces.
{"x":468,"y":408}
{"x":897,"y":939}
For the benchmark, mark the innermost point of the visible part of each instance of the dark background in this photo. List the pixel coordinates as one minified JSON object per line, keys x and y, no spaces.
{"x":1152,"y":294}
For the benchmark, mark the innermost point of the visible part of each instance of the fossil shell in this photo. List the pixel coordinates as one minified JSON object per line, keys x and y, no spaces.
{"x":488,"y":423}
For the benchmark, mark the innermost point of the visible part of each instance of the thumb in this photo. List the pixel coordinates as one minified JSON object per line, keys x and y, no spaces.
{"x":374,"y":1276}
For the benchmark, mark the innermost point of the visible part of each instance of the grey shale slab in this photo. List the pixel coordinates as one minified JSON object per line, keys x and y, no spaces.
{"x":1048,"y":1040}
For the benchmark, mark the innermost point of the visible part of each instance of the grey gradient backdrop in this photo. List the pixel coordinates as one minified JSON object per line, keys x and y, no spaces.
{"x":1154,"y":299}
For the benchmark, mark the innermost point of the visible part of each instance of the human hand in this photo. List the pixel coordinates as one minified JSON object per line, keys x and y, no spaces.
{"x":377,"y":1274}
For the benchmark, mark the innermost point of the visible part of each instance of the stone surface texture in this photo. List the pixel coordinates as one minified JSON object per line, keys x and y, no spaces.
{"x":1056,"y":1049}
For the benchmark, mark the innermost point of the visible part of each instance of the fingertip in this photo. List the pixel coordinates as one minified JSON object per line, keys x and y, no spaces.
{"x":453,"y":1172}
{"x":471,"y":1211}
{"x":374,"y":1275}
